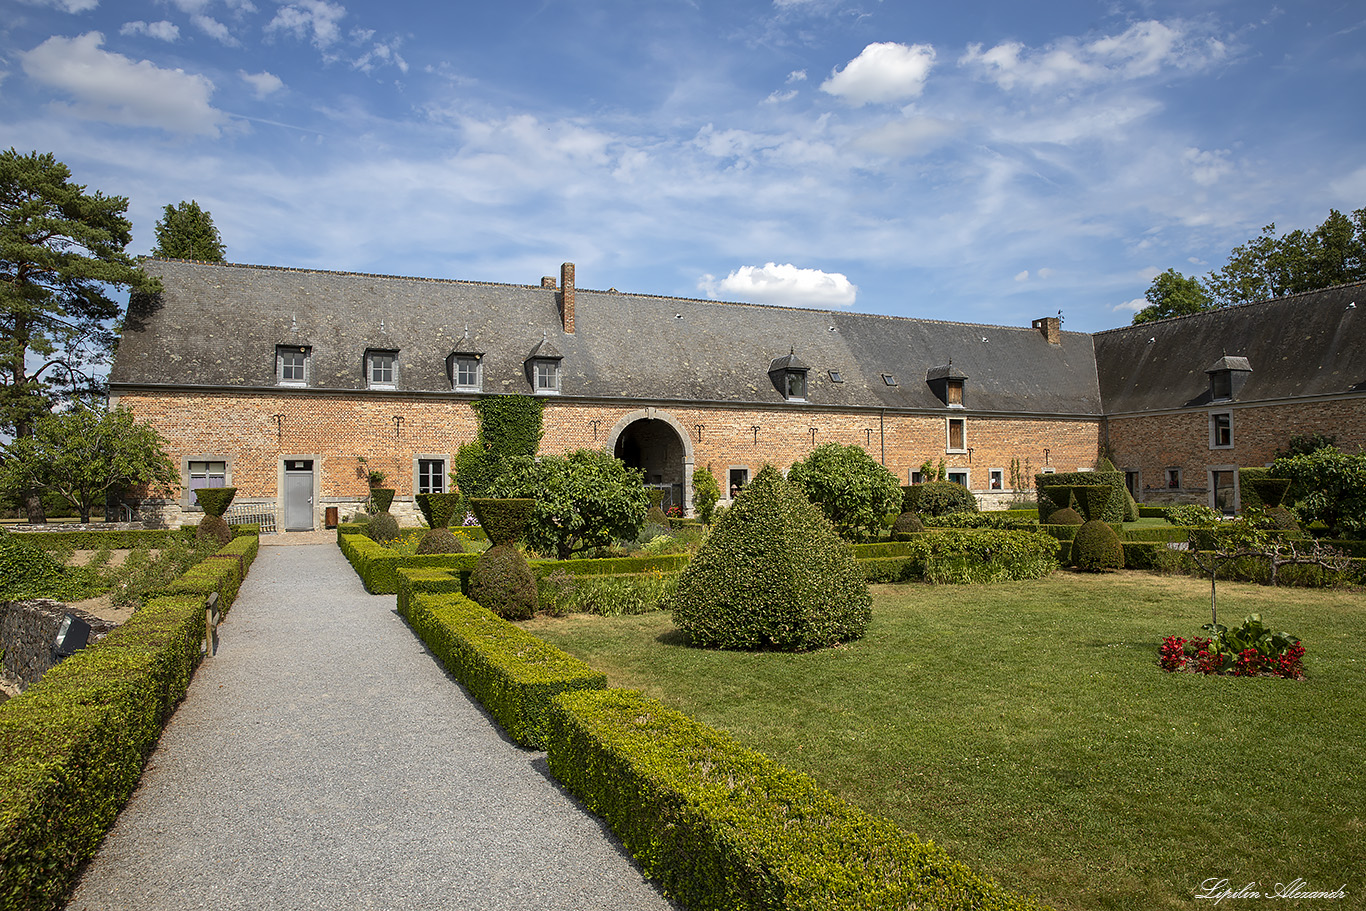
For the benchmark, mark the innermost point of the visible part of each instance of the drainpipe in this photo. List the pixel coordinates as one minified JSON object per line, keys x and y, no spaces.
{"x":882,"y":433}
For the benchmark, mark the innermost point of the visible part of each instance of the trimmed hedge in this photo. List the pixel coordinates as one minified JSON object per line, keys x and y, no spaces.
{"x":513,"y":674}
{"x":611,"y":566}
{"x":378,"y":566}
{"x":1016,"y":520}
{"x":222,"y":574}
{"x":1114,"y":509}
{"x":1165,"y":534}
{"x":960,"y":556}
{"x":720,"y":826}
{"x":73,"y":745}
{"x":1152,"y":512}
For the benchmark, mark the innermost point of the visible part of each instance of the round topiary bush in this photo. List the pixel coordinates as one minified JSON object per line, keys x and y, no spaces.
{"x":440,"y":541}
{"x":1096,"y":548}
{"x":503,"y":583}
{"x":1067,"y":516}
{"x":213,"y":528}
{"x":383,"y":528}
{"x":906,"y":524}
{"x":940,"y":498}
{"x":772,"y":574}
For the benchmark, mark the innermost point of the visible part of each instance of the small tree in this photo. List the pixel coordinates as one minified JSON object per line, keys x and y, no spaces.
{"x":850,"y":487}
{"x":1220,"y":543}
{"x":705,"y":493}
{"x":584,"y":499}
{"x":85,"y":453}
{"x":186,"y":231}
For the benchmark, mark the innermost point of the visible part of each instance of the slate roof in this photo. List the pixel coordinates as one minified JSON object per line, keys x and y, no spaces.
{"x":1302,"y":345}
{"x":218,"y":325}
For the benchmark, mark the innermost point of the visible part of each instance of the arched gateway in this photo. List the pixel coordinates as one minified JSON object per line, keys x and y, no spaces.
{"x":654,"y":441}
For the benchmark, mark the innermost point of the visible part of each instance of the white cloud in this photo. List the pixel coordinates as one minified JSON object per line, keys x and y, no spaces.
{"x":1132,"y":306}
{"x":906,"y":138}
{"x":1206,"y":168}
{"x":1144,"y":49}
{"x":379,"y":55}
{"x":112,"y":88}
{"x":262,"y":83}
{"x":885,"y":72}
{"x":67,"y":6}
{"x":796,"y":76}
{"x":316,"y":20}
{"x":779,"y":97}
{"x":162,"y":31}
{"x":785,"y":285}
{"x":1044,"y":273}
{"x":215,"y":30}
{"x":1022,"y":276}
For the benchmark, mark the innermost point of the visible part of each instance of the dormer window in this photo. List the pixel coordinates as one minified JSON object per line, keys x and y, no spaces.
{"x":381,"y":368}
{"x":543,"y":368}
{"x":947,"y":384}
{"x":789,"y":376}
{"x":1226,"y":378}
{"x":291,"y":365}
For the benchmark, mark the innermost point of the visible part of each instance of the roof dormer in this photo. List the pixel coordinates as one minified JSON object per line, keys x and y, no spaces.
{"x":789,"y":376}
{"x":947,"y":384}
{"x":1226,"y":377}
{"x":543,"y":368}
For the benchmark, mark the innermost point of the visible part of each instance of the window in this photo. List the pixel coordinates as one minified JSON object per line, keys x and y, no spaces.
{"x":889,"y":379}
{"x":794,"y":385}
{"x":739,"y":480}
{"x":1173,"y":478}
{"x":382,"y":369}
{"x":957,"y":435}
{"x":200,"y":473}
{"x":997,"y":478}
{"x":291,"y":365}
{"x":917,"y":478}
{"x":1221,"y":385}
{"x":546,"y":377}
{"x":959,"y":476}
{"x":431,"y":475}
{"x":954,"y":391}
{"x":835,"y":377}
{"x":1221,"y":430}
{"x":1223,"y":494}
{"x":1049,"y":470}
{"x":466,"y":373}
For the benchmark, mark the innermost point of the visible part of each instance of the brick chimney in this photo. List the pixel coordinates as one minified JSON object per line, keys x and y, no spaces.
{"x":567,"y":296}
{"x":548,"y":281}
{"x":1051,"y":327}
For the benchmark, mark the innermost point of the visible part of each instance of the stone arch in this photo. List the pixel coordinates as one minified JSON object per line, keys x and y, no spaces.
{"x":642,"y":439}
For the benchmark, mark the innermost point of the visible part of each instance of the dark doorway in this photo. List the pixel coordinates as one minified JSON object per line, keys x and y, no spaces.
{"x":655,"y":448}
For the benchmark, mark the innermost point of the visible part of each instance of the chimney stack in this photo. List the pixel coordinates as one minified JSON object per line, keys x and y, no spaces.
{"x":1051,"y":327}
{"x":567,"y":296}
{"x":548,"y":281}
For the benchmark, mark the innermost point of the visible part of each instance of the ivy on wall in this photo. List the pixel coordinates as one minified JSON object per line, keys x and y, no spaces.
{"x":509,"y":426}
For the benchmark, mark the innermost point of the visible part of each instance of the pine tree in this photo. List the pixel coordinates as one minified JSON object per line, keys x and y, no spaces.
{"x":186,"y":231}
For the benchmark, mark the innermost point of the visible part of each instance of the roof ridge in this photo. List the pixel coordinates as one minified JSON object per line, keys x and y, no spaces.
{"x":1242,"y":306}
{"x":307,"y":271}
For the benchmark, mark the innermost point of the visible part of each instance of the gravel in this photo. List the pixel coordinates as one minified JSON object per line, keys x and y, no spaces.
{"x":324,"y":759}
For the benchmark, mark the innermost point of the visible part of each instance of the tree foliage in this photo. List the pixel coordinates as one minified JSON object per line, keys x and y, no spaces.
{"x":1173,"y":294}
{"x":853,"y":490}
{"x":85,"y":453}
{"x":1328,"y":486}
{"x":510,"y":428}
{"x":186,"y":231}
{"x":705,"y":493}
{"x":584,"y":499}
{"x":61,"y":250}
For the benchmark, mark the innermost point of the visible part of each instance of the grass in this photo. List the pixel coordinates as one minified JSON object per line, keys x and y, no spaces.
{"x":1027,"y":728}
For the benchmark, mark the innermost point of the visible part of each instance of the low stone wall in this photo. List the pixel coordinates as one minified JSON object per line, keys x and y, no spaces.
{"x":28,"y":630}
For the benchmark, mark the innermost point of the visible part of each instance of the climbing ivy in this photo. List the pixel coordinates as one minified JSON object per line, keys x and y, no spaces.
{"x":509,"y":428}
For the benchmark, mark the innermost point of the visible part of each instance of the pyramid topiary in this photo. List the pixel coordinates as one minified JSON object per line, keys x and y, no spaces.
{"x":772,"y":574}
{"x":381,"y":497}
{"x":214,"y":501}
{"x":503,"y":520}
{"x":438,"y":508}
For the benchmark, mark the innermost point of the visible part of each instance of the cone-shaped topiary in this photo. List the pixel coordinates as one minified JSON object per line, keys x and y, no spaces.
{"x":440,"y":541}
{"x":383,"y":528}
{"x":503,"y":520}
{"x":215,"y":500}
{"x":381,"y":497}
{"x":906,"y":524}
{"x":772,"y":574}
{"x":438,"y":508}
{"x":213,"y":528}
{"x":1067,"y":516}
{"x":1096,"y":548}
{"x":503,"y":583}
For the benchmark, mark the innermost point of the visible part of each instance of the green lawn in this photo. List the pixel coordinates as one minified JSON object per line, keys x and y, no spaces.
{"x":1028,"y":729}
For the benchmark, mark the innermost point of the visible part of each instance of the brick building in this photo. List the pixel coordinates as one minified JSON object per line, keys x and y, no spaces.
{"x":289,"y":384}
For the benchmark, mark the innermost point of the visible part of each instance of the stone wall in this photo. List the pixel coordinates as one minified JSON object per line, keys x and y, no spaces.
{"x":28,"y":630}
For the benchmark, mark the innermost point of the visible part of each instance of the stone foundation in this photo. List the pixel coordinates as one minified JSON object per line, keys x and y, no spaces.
{"x":28,"y":630}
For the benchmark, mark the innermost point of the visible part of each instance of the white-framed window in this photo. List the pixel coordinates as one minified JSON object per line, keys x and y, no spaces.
{"x":1173,"y":478}
{"x":291,"y":365}
{"x":381,"y":369}
{"x":545,"y":374}
{"x":917,"y":477}
{"x":956,"y":432}
{"x":467,"y":373}
{"x":960,"y":476}
{"x":203,"y":471}
{"x":1221,"y":430}
{"x":1048,"y":470}
{"x":996,"y":479}
{"x":1223,"y":488}
{"x":794,"y":385}
{"x":429,"y":473}
{"x":737,"y":479}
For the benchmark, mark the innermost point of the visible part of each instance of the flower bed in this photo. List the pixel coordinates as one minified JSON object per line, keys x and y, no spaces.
{"x":1250,"y":650}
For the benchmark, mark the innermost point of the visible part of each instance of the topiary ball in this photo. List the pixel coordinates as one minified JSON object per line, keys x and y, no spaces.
{"x":503,"y":583}
{"x":213,"y":528}
{"x":440,"y":541}
{"x":383,"y":528}
{"x":906,"y":524}
{"x":772,"y":574}
{"x":1096,"y":548}
{"x":940,"y":498}
{"x":1067,"y":516}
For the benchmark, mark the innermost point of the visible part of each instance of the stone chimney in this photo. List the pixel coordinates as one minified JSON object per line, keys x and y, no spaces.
{"x":1051,"y":327}
{"x":567,"y":296}
{"x":548,"y":281}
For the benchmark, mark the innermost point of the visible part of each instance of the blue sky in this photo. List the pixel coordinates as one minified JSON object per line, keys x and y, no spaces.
{"x":985,"y":162}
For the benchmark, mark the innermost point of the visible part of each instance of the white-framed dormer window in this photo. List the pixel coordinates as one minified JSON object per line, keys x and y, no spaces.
{"x":545,"y":375}
{"x":1221,"y":430}
{"x":467,"y":373}
{"x":291,"y":365}
{"x":957,"y":435}
{"x":381,"y":369}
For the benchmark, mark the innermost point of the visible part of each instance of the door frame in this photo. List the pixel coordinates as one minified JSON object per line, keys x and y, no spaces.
{"x":315,"y":494}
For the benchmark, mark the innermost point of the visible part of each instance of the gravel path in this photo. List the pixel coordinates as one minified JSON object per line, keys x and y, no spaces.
{"x":324,"y":760}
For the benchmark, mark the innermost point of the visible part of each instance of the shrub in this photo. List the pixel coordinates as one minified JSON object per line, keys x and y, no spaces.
{"x":1191,"y":514}
{"x":440,"y":540}
{"x":504,"y":520}
{"x":1114,"y":510}
{"x":773,"y":573}
{"x":215,"y":500}
{"x":503,"y":583}
{"x":1003,"y":520}
{"x":1097,"y":548}
{"x":940,"y":498}
{"x":965,"y":556}
{"x":705,"y":493}
{"x":438,"y":508}
{"x":1328,"y":486}
{"x":906,"y":524}
{"x":28,"y":571}
{"x":383,"y":528}
{"x":849,"y":486}
{"x":1068,"y":516}
{"x":213,"y":528}
{"x":380,"y":498}
{"x":1093,"y":500}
